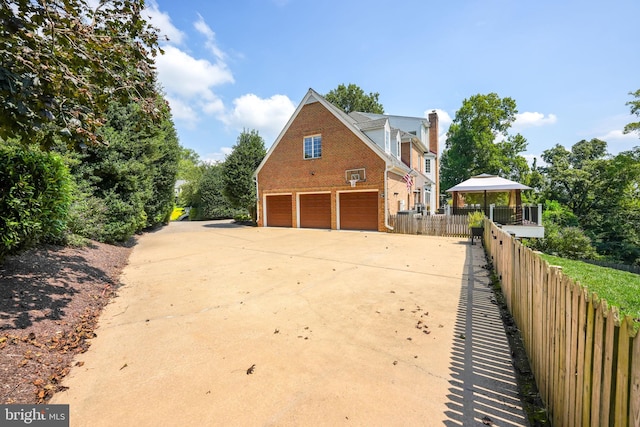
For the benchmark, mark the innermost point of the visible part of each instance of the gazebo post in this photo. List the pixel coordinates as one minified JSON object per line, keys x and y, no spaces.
{"x":519,"y":207}
{"x":485,"y":203}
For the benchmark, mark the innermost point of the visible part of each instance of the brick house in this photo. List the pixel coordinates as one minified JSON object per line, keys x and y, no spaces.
{"x":335,"y":171}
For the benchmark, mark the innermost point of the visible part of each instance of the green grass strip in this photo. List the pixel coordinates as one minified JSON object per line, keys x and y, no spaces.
{"x":618,"y":288}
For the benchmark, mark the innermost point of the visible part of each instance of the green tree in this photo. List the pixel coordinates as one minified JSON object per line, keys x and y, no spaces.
{"x":211,"y":201}
{"x":127,"y":186}
{"x":616,"y":211}
{"x":352,"y":98}
{"x":190,"y":170}
{"x":635,"y":109}
{"x":238,"y":169}
{"x":570,"y":175}
{"x":62,"y":63}
{"x":603,"y":192}
{"x":478,"y":142}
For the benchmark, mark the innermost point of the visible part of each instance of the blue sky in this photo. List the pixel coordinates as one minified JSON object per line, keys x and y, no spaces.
{"x":246,"y":64}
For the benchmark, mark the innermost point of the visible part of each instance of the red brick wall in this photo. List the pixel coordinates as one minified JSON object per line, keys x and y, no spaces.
{"x":397,"y":190}
{"x":417,"y":161}
{"x":286,"y":171}
{"x":405,"y":153}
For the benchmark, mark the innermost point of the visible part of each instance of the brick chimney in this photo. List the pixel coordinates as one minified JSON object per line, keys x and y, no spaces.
{"x":433,"y":132}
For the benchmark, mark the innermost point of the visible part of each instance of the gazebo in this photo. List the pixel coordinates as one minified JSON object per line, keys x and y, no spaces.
{"x":486,"y":183}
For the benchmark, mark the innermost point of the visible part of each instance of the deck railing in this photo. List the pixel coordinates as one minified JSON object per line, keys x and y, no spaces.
{"x":505,"y":215}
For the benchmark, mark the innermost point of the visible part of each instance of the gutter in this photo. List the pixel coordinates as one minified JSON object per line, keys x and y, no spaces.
{"x":255,"y":180}
{"x":386,"y":200}
{"x":390,"y":167}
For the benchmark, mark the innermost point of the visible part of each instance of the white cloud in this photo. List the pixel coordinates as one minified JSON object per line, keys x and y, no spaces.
{"x":182,"y":111}
{"x":444,"y":119}
{"x":189,"y":84}
{"x":618,"y":135}
{"x":187,"y":76}
{"x":531,"y":119}
{"x":162,"y":21}
{"x":218,"y":156}
{"x":206,"y":31}
{"x":268,"y":116}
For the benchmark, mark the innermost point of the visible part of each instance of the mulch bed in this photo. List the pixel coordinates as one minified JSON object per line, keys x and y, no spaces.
{"x":50,"y":300}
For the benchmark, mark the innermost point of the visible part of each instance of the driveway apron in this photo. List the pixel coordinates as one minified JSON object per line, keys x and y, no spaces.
{"x":218,"y":324}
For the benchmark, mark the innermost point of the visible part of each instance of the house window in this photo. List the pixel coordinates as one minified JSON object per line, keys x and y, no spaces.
{"x":427,"y":165}
{"x":313,"y":147}
{"x":399,"y":150}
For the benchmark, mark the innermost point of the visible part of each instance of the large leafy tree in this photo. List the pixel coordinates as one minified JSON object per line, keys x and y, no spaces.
{"x":571,"y":175}
{"x":62,"y":63}
{"x":478,"y":141}
{"x":603,"y":192}
{"x":353,"y":98}
{"x":238,"y":169}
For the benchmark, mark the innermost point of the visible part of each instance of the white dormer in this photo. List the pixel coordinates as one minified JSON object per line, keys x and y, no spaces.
{"x":424,"y":132}
{"x":387,"y":137}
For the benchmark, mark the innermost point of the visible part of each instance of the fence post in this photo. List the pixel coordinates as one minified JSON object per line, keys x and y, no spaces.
{"x":634,"y":398}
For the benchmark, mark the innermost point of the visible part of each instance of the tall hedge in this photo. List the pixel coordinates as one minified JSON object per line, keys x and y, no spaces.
{"x":127,"y":186}
{"x":35,"y":194}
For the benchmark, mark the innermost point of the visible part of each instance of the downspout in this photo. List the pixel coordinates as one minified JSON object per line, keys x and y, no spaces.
{"x":386,"y":195}
{"x":255,"y":179}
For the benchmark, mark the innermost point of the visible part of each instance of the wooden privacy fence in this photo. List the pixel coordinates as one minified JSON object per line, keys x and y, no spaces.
{"x":431,"y":225}
{"x":585,"y":358}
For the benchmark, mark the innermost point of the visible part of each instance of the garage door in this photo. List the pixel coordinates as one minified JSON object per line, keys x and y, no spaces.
{"x":279,"y":211}
{"x":359,"y":211}
{"x":315,"y":210}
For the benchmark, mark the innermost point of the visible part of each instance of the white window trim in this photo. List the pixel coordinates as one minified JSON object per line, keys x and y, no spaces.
{"x":312,"y":147}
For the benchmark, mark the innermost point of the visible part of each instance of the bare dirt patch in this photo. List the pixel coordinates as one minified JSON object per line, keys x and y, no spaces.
{"x":50,"y":300}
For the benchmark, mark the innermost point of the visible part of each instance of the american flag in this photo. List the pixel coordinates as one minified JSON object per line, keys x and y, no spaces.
{"x":409,"y":180}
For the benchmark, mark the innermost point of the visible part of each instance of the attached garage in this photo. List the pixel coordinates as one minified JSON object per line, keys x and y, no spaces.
{"x":315,"y":210}
{"x":359,"y":210}
{"x":278,"y":209}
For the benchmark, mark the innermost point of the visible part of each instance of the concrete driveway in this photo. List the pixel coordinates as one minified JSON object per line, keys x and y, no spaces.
{"x":224,"y":325}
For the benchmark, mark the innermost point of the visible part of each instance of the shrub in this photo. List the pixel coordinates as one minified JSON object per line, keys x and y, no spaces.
{"x":244,"y":217}
{"x":476,"y":219}
{"x":35,"y":194}
{"x":574,"y":244}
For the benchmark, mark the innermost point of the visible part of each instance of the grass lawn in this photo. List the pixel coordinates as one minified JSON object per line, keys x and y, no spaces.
{"x":619,"y":288}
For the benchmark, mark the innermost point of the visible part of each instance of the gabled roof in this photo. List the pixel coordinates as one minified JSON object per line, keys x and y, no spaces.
{"x":489,"y":183}
{"x":371,"y":124}
{"x":359,"y":117}
{"x":313,"y":96}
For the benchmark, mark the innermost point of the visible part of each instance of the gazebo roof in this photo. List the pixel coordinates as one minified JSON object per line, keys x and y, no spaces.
{"x":488,"y":183}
